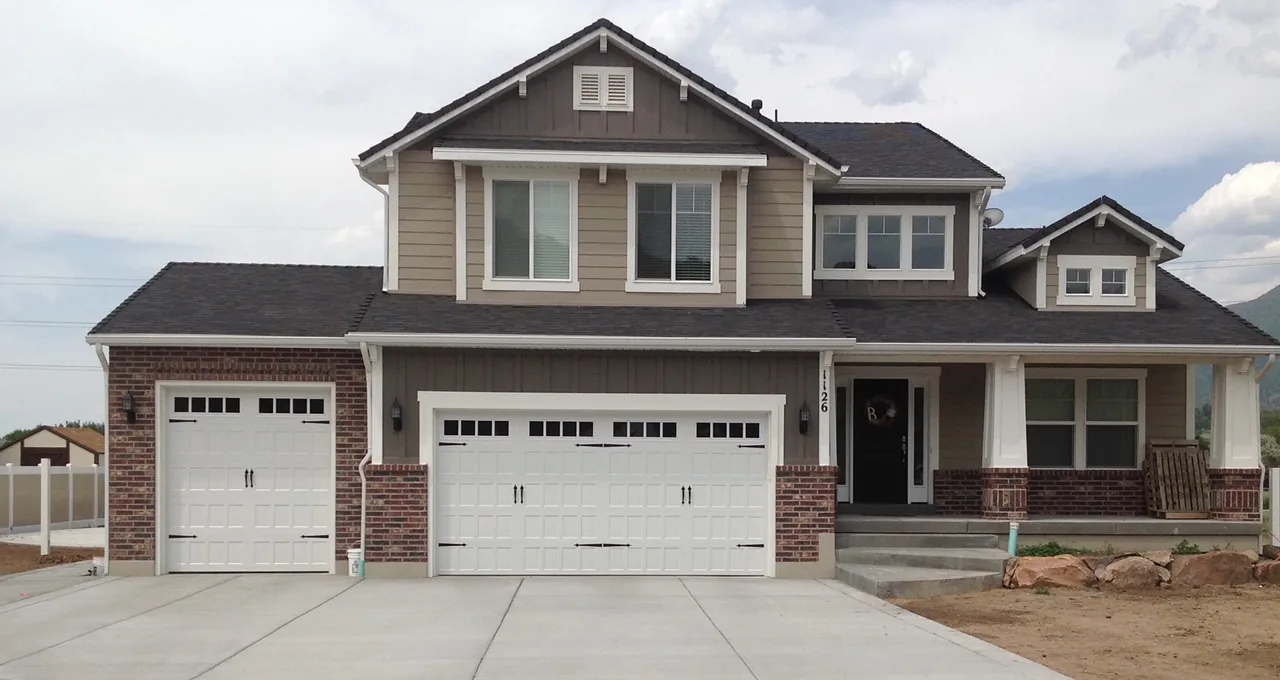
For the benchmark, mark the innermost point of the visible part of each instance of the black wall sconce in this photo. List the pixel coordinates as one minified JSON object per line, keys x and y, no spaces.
{"x":397,"y":415}
{"x":130,"y":412}
{"x":804,"y":418}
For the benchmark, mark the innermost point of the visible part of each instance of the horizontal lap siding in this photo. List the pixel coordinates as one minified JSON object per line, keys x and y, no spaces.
{"x":962,"y":404}
{"x":409,"y":371}
{"x":426,"y":224}
{"x":775,"y":229}
{"x":1090,"y":240}
{"x":1167,"y":401}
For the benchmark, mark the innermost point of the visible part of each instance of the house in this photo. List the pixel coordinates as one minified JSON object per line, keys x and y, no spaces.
{"x":61,"y":445}
{"x":628,"y":323}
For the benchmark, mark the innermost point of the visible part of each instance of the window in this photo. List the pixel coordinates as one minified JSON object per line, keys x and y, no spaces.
{"x":290,"y":405}
{"x":602,"y":88}
{"x":531,"y":232}
{"x":646,"y":430}
{"x":1093,"y":280}
{"x":885,"y":242}
{"x":674,"y":241}
{"x":727,"y":430}
{"x":1076,"y":419}
{"x":206,"y":405}
{"x":561,"y":428}
{"x":477,"y":428}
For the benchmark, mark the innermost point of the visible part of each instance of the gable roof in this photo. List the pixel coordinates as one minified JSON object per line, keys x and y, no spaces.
{"x":85,"y":438}
{"x":893,"y":150}
{"x":420,"y":122}
{"x":1130,"y":221}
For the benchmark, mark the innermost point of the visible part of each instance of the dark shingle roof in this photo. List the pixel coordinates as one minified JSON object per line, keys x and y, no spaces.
{"x":1030,"y":236}
{"x":194,"y":298}
{"x":908,"y":150}
{"x":393,"y":313}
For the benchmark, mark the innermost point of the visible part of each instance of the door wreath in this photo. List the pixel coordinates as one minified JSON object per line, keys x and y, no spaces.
{"x":881,"y":411}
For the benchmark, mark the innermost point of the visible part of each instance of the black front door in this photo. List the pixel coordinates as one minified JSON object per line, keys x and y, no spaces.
{"x":880,"y":421}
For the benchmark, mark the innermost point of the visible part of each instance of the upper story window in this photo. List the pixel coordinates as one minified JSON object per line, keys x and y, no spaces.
{"x":885,"y":242}
{"x":1096,"y":280}
{"x":602,"y":88}
{"x":674,"y":243}
{"x":531,"y":230}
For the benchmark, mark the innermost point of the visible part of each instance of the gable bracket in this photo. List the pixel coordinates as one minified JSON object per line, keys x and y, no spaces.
{"x":1100,"y":220}
{"x":1156,"y":251}
{"x":1044,"y":252}
{"x":604,"y":43}
{"x":684,"y":90}
{"x":604,"y":173}
{"x":524,"y":86}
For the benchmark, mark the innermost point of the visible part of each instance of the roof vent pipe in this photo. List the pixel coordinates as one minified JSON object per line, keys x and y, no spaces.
{"x":757,"y":104}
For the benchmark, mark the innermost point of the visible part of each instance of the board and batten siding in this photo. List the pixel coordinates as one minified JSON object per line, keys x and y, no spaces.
{"x":426,"y":224}
{"x":775,"y":229}
{"x":409,"y":371}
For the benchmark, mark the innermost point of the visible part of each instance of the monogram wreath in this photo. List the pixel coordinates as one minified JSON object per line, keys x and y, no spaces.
{"x":881,"y":410}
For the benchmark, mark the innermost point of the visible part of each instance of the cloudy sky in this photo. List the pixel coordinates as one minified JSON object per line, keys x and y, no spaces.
{"x":135,"y":133}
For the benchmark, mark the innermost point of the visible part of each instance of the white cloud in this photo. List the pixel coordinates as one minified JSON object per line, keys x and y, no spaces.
{"x":890,"y":84}
{"x":1177,"y":28}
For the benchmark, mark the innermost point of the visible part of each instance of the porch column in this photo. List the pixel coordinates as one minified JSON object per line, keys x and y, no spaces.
{"x":826,"y":402}
{"x":1004,"y":462}
{"x":1235,"y":452}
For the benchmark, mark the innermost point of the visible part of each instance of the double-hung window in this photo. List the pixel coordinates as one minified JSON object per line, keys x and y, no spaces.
{"x":674,"y":237}
{"x":885,"y":242}
{"x":531,"y":231}
{"x":1085,"y":419}
{"x":1096,"y":280}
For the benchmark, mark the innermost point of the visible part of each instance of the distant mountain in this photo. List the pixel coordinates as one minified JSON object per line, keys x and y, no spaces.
{"x":1264,"y":312}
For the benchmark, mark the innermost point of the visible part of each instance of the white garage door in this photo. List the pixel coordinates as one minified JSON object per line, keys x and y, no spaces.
{"x":625,"y":493}
{"x":249,"y":479}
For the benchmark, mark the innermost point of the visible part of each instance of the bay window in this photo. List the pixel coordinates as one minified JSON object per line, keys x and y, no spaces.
{"x":1085,"y":419}
{"x":531,"y":231}
{"x":674,"y":234}
{"x":885,"y":242}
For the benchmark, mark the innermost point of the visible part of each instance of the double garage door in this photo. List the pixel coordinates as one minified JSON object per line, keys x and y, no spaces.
{"x":600,"y":493}
{"x":248,"y":477}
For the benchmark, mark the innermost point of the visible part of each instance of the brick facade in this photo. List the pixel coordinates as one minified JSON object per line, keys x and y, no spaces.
{"x":957,"y":492}
{"x":806,"y":509}
{"x":1235,"y":495}
{"x":1004,"y":493}
{"x":132,"y":469}
{"x":1086,"y":492}
{"x":396,"y":519}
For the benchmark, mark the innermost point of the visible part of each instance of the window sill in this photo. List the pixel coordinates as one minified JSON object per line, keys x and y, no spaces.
{"x":672,"y":287}
{"x":1097,"y":300}
{"x":530,"y":285}
{"x":884,"y":274}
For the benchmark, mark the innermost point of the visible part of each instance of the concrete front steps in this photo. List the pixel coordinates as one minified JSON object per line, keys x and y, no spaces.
{"x":919,"y":565}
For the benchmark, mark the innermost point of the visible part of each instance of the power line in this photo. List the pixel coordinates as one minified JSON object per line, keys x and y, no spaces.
{"x":51,"y":322}
{"x":1177,"y":268}
{"x":48,"y":367}
{"x":180,"y":225}
{"x":67,"y":284}
{"x":69,"y":278}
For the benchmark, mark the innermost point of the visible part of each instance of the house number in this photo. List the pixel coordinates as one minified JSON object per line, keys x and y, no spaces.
{"x":823,"y":405}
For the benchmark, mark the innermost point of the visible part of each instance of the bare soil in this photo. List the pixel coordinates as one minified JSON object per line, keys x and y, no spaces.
{"x":1088,"y":634}
{"x":15,"y":558}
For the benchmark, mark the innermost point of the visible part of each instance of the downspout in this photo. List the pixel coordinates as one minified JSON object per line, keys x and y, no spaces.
{"x":368,"y":454}
{"x":982,"y":234}
{"x":386,"y":230}
{"x":106,"y":455}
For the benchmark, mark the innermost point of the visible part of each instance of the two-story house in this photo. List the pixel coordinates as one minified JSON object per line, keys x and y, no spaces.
{"x":628,"y":323}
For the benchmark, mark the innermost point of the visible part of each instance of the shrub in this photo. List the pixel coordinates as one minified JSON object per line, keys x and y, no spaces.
{"x":1187,"y":548}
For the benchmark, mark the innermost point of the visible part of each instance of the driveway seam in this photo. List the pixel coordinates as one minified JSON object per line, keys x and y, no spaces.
{"x":108,"y":625}
{"x":55,"y":594}
{"x":275,"y":630}
{"x":497,"y":628}
{"x":721,"y":632}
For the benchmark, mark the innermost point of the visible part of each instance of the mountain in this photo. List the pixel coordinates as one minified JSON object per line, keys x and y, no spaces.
{"x":1263,"y":312}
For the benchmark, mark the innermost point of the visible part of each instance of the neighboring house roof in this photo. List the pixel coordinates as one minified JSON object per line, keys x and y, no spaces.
{"x":85,"y":438}
{"x":893,"y":150}
{"x":196,"y":298}
{"x":1035,"y":237}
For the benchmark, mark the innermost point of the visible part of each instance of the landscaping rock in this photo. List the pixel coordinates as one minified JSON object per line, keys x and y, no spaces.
{"x":1061,"y":571}
{"x":1162,"y":558}
{"x":1267,"y":572}
{"x":1132,"y":573}
{"x":1096,"y":563}
{"x":1252,"y":555}
{"x":1271,"y":552}
{"x":1216,"y":568}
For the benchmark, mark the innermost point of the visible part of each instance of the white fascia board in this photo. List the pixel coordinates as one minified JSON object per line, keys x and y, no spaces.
{"x":498,"y":341}
{"x":179,"y":340}
{"x":917,"y":183}
{"x":535,"y":156}
{"x":988,"y":349}
{"x":1128,"y":224}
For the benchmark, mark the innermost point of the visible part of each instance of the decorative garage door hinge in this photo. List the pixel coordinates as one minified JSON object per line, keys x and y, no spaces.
{"x":751,"y":446}
{"x":182,"y":420}
{"x":602,"y":545}
{"x":182,"y":535}
{"x":606,"y":446}
{"x":451,"y":545}
{"x":451,"y":443}
{"x":315,"y":422}
{"x":315,"y":535}
{"x":750,"y":545}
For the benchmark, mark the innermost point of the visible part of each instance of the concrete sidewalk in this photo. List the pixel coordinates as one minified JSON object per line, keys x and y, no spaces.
{"x":220,"y":627}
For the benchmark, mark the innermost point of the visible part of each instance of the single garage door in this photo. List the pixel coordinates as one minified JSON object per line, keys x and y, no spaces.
{"x":624,"y":493}
{"x":249,"y":479}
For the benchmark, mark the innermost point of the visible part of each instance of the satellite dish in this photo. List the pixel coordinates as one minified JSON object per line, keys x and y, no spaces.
{"x":992,"y":216}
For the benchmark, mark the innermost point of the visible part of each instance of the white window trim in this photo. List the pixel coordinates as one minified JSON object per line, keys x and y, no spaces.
{"x":570,"y":175}
{"x":638,"y":176}
{"x":1081,"y":376}
{"x":1095,"y":264}
{"x":603,"y":72}
{"x":906,"y":212}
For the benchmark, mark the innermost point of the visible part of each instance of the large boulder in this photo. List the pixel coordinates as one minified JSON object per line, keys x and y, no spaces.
{"x":1216,"y":568}
{"x":1267,"y":572}
{"x":1061,"y":571}
{"x":1096,"y":563}
{"x":1161,"y":558}
{"x":1271,"y":552}
{"x":1134,"y":572}
{"x":1252,"y":555}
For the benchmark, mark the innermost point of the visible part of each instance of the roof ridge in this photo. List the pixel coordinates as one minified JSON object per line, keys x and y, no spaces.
{"x":961,"y":150}
{"x":851,"y":122}
{"x":272,"y":264}
{"x":125,"y":303}
{"x":1217,"y":304}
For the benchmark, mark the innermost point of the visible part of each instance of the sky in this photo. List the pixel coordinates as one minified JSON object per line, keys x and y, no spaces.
{"x":137,"y":133}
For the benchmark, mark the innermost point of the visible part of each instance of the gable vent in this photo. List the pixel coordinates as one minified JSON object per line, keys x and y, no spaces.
{"x":602,"y":88}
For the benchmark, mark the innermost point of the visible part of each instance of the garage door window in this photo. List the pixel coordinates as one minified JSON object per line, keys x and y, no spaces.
{"x":206,"y":404}
{"x":290,"y":406}
{"x":728,"y":430}
{"x":477,"y":428}
{"x":561,"y":428}
{"x":644,"y":429}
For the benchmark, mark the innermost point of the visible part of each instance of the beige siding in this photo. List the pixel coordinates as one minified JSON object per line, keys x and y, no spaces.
{"x":1022,"y":279}
{"x":775,"y":229}
{"x":962,"y":403}
{"x":957,"y":287}
{"x":1139,"y":288}
{"x":408,"y":371}
{"x":1167,"y":401}
{"x":427,"y":224}
{"x":1087,"y":239}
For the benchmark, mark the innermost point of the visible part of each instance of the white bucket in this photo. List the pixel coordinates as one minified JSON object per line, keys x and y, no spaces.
{"x":98,"y":566}
{"x":354,"y":560}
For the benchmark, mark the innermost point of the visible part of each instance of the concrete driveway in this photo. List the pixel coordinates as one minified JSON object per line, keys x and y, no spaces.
{"x":59,"y":624}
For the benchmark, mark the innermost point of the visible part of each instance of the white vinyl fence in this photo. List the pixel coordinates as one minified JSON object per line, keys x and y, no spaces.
{"x":74,"y":497}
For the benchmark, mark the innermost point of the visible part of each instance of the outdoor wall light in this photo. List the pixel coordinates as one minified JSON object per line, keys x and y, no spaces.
{"x":804,"y":418}
{"x":130,"y":413}
{"x":397,"y":415}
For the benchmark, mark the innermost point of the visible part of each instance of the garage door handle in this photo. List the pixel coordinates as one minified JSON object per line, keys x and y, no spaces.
{"x":521,"y":494}
{"x":182,"y":535}
{"x":246,"y":478}
{"x":682,"y":492}
{"x":251,"y":479}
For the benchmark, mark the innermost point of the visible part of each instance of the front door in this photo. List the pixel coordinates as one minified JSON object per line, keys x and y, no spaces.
{"x":880,"y":430}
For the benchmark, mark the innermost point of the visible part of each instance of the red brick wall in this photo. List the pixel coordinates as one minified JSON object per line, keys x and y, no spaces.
{"x":396,"y":519}
{"x":1087,"y":492}
{"x":957,"y":492}
{"x":1004,"y":493}
{"x":132,"y":446}
{"x":806,"y":507}
{"x":1235,"y":495}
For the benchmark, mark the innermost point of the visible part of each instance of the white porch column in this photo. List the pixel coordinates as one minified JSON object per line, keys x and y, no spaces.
{"x":826,"y":363}
{"x":1236,"y":443}
{"x":1005,"y":439}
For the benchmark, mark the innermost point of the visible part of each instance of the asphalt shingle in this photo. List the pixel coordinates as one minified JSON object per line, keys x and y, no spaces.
{"x":883,"y":150}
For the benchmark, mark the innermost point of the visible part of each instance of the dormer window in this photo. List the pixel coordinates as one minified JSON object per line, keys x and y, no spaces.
{"x":602,"y":88}
{"x":1089,"y":280}
{"x":893,"y":243}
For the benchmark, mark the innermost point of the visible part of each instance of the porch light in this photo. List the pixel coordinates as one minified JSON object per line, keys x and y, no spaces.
{"x":131,"y":415}
{"x":397,"y":415}
{"x":804,"y":418}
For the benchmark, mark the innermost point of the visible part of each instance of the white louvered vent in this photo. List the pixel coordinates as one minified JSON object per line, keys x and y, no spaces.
{"x":602,"y":88}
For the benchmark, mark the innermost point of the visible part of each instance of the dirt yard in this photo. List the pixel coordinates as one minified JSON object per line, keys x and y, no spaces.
{"x":1204,"y":633}
{"x":15,"y":558}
